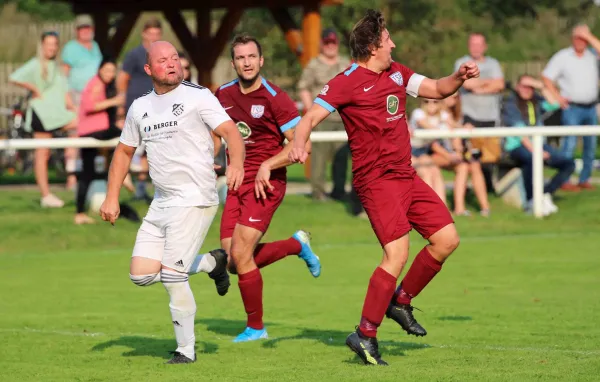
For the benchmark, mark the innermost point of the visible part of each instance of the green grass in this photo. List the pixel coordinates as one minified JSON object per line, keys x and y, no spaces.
{"x":518,"y":301}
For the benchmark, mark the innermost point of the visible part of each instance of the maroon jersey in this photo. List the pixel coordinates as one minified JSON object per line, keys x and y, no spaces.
{"x":262,"y":117}
{"x":373,"y":109}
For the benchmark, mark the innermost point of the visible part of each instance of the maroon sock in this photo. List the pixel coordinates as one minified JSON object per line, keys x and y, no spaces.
{"x":268,"y":253}
{"x":379,"y":294}
{"x":251,"y":289}
{"x":421,"y":272}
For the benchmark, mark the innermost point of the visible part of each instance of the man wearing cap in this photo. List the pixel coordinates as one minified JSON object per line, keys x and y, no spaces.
{"x":315,"y":75}
{"x":81,"y":58}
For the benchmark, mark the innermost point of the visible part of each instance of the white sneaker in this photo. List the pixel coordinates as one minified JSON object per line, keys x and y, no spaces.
{"x":549,"y":204}
{"x":546,"y":211}
{"x":51,"y":201}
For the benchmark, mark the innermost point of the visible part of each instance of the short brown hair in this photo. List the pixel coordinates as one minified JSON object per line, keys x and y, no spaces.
{"x":366,"y":35}
{"x":152,"y":23}
{"x":243,"y":39}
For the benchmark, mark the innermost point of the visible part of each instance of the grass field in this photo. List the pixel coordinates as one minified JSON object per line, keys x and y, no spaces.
{"x":518,"y":301}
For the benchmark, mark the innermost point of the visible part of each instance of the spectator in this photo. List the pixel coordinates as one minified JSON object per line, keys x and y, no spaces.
{"x":576,"y":71}
{"x":525,"y":108}
{"x":314,"y":77}
{"x":97,"y":119}
{"x":186,"y":66}
{"x":450,"y":154}
{"x":429,"y":116}
{"x":133,"y":82}
{"x":80,"y":58}
{"x":480,"y":99}
{"x":50,"y":108}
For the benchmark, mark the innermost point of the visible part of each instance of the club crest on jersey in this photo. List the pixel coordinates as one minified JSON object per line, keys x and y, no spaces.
{"x":244,"y":129}
{"x":177,"y":109}
{"x":324,"y":90}
{"x":392,"y":104}
{"x":257,"y":111}
{"x":397,"y":78}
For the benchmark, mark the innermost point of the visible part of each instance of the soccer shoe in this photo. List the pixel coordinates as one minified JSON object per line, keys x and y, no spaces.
{"x":312,"y":261}
{"x":250,"y":334}
{"x":402,"y":314}
{"x":219,"y":274}
{"x":366,"y":348}
{"x":180,"y":358}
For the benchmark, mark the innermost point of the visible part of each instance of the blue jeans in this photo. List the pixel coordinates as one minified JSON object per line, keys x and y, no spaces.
{"x":579,"y":115}
{"x":564,"y":165}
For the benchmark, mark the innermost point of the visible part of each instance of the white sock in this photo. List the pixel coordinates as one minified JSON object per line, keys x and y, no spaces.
{"x":203,"y":263}
{"x":183,"y":310}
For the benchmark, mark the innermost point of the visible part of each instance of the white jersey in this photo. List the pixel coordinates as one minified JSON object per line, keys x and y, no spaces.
{"x":175,"y":128}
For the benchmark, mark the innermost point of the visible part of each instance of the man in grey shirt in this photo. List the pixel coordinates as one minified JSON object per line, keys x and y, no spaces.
{"x":480,"y":99}
{"x":575,"y":69}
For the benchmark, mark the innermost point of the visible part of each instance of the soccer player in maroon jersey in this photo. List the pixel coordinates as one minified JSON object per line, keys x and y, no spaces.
{"x":371,"y":99}
{"x":265,"y":115}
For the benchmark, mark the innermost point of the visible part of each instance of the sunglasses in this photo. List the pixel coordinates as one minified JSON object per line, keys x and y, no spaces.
{"x":49,"y":33}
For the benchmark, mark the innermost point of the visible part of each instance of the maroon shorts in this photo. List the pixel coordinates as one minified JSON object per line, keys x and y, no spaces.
{"x":396,"y":205}
{"x":242,"y":207}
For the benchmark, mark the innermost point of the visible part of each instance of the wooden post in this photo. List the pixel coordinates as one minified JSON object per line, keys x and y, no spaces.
{"x":311,"y":33}
{"x":101,"y":29}
{"x":288,"y":26}
{"x":311,"y":38}
{"x":123,"y":31}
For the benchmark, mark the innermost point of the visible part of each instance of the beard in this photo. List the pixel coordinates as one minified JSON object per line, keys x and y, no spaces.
{"x":247,"y":82}
{"x":176,"y":80}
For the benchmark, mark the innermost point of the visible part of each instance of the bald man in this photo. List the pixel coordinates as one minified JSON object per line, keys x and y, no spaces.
{"x":178,"y":122}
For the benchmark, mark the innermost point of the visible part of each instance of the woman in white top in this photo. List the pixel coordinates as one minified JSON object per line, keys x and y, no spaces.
{"x":427,"y":117}
{"x":450,"y":154}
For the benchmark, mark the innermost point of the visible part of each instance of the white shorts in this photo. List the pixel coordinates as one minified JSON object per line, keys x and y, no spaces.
{"x":173,"y":235}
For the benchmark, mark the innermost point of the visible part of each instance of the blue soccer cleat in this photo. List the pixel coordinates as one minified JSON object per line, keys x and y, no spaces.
{"x":312,"y":261}
{"x":250,"y":334}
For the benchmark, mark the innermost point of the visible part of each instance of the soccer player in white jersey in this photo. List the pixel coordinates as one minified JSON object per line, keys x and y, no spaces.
{"x":177,"y":122}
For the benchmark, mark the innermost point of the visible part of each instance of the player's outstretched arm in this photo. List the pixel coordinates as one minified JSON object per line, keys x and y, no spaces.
{"x":119,"y":167}
{"x":279,"y":160}
{"x":312,"y":118}
{"x":237,"y":153}
{"x":446,"y":86}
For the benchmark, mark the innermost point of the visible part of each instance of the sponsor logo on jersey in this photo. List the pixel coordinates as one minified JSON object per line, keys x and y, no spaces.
{"x":257,"y":111}
{"x":397,"y":78}
{"x":392,"y":104}
{"x":177,"y":109}
{"x":244,"y":129}
{"x":324,"y":90}
{"x":147,"y":129}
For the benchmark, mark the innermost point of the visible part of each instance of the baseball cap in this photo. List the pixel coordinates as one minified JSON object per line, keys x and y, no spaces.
{"x":83,"y":21}
{"x":329,"y":35}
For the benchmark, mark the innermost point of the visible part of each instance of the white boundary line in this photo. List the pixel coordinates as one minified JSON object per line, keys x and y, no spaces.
{"x":499,"y":348}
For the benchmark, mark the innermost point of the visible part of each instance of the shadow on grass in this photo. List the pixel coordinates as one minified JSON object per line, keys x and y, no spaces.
{"x":325,"y":336}
{"x":154,"y":347}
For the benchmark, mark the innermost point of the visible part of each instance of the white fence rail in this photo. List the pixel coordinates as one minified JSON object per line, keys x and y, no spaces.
{"x":537,"y":134}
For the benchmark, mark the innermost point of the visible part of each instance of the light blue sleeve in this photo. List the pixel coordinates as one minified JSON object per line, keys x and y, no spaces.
{"x":26,"y":73}
{"x":68,"y":53}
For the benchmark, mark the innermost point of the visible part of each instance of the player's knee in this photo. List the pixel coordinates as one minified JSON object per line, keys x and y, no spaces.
{"x":450,"y":243}
{"x":145,"y":280}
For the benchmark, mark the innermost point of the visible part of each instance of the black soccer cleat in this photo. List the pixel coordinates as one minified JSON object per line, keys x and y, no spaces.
{"x":402,"y":314}
{"x":180,"y":358}
{"x":219,"y":274}
{"x":365,"y":347}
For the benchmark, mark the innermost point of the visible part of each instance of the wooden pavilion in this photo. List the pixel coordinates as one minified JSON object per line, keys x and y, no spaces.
{"x":202,"y":47}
